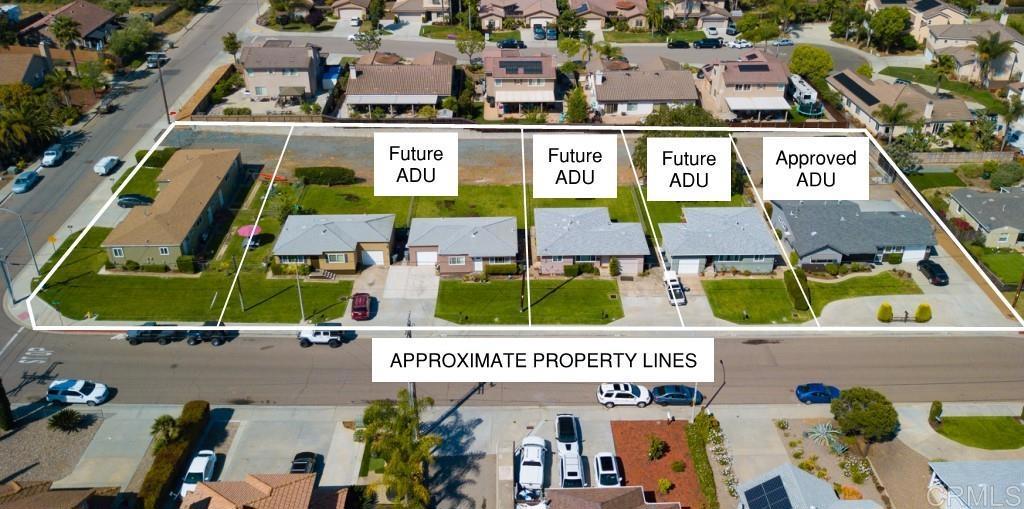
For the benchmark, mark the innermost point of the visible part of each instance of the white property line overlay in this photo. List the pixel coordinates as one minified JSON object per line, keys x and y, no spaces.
{"x":537,"y":328}
{"x":526,"y":228}
{"x":647,"y":211}
{"x":778,"y":240}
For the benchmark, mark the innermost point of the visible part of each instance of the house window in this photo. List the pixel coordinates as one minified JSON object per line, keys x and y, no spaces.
{"x":456,"y":260}
{"x":261,"y":90}
{"x":729,"y":258}
{"x":822,"y":261}
{"x":555,"y":258}
{"x":500,"y":259}
{"x":631,"y":106}
{"x":290,"y":72}
{"x":292,"y":259}
{"x":586,"y":258}
{"x":165,"y":251}
{"x":758,"y":258}
{"x":337,"y":257}
{"x":118,"y":252}
{"x":639,"y":23}
{"x":498,"y":83}
{"x":1004,"y":237}
{"x":249,"y":72}
{"x":892,"y":249}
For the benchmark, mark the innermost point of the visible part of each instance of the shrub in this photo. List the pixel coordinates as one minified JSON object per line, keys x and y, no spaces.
{"x":656,"y":448}
{"x":679,"y":466}
{"x":793,"y":288}
{"x":588,"y":268}
{"x":850,"y":493}
{"x":186,"y":264}
{"x":614,"y":266}
{"x":697,"y":436}
{"x":131,"y":265}
{"x":794,"y":259}
{"x":501,"y":269}
{"x":664,"y":486}
{"x":885,"y":312}
{"x":923,"y":313}
{"x":159,"y":157}
{"x":866,"y":412}
{"x":571,"y":270}
{"x":832,"y":268}
{"x":67,"y":421}
{"x":326,"y":175}
{"x":157,"y":267}
{"x":170,"y":461}
{"x":894,"y":258}
{"x":935,"y":412}
{"x":241,"y":110}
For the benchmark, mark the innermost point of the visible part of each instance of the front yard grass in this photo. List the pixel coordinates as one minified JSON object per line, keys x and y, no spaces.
{"x":984,"y":432}
{"x":143,"y":183}
{"x":1007,"y":265}
{"x":632,"y":37}
{"x":555,"y":301}
{"x":884,"y":283}
{"x":966,"y":90}
{"x":764,"y":300}
{"x":687,"y":35}
{"x":495,"y":302}
{"x":508,"y":34}
{"x":474,"y":201}
{"x":924,"y":181}
{"x":441,"y":31}
{"x":622,"y":208}
{"x":357,"y":199}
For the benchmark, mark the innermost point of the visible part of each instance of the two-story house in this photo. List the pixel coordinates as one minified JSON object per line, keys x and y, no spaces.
{"x":958,"y":41}
{"x":427,"y":10}
{"x":925,"y":15}
{"x":632,"y":94}
{"x":95,"y":24}
{"x":278,"y":69}
{"x":519,"y":83}
{"x":532,"y":12}
{"x":750,"y":87}
{"x":596,"y":13}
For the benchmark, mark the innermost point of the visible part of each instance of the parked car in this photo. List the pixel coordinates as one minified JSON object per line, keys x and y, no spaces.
{"x":740,"y":44}
{"x":552,"y":34}
{"x":816,"y":393}
{"x":24,"y":182}
{"x":252,"y":242}
{"x":200,"y":470}
{"x":614,"y":394}
{"x":676,"y":395}
{"x":72,"y":391}
{"x":106,"y":166}
{"x":539,"y":32}
{"x":332,"y":338}
{"x":674,"y":289}
{"x":511,"y":44}
{"x":708,"y":43}
{"x":934,"y":272}
{"x":782,"y":42}
{"x":901,"y":81}
{"x":303,"y":463}
{"x":678,"y":44}
{"x":53,"y":155}
{"x":572,"y":470}
{"x":532,"y":458}
{"x":127,"y":201}
{"x":567,"y":433}
{"x":214,"y":337}
{"x":106,"y":105}
{"x":362,"y":306}
{"x":162,"y":337}
{"x":356,"y":21}
{"x":731,"y":29}
{"x":155,"y":60}
{"x":352,"y":37}
{"x":606,"y":470}
{"x":711,"y":31}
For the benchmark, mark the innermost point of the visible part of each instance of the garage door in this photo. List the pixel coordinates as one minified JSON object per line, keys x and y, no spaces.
{"x":345,"y":15}
{"x":426,"y":258}
{"x":594,"y":25}
{"x":687,"y":265}
{"x":914,"y":253}
{"x":372,"y":258}
{"x":543,"y":21}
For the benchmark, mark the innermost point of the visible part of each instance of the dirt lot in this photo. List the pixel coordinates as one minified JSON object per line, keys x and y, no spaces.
{"x":903,"y":472}
{"x":631,"y":443}
{"x":35,"y":453}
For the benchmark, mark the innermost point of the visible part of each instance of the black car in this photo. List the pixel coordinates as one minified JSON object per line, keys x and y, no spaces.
{"x":676,"y":395}
{"x":511,"y":44}
{"x":304,"y":463}
{"x":127,"y":201}
{"x":715,"y":42}
{"x":162,"y":337}
{"x":934,"y":272}
{"x":215,"y":337}
{"x":678,"y":44}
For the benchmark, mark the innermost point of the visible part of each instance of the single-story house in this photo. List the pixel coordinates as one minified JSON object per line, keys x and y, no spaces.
{"x":619,"y":497}
{"x":340,"y":243}
{"x":638,"y":93}
{"x":290,"y":491}
{"x":397,"y":88}
{"x":976,"y":484}
{"x":192,"y":187}
{"x":596,"y":13}
{"x":724,"y":238}
{"x":461,"y":245}
{"x":278,"y":69}
{"x":824,"y":232}
{"x":41,"y":494}
{"x":564,"y":236}
{"x":347,"y":10}
{"x":788,"y":486}
{"x":532,"y":12}
{"x":27,"y":68}
{"x":999,"y":216}
{"x":95,"y":24}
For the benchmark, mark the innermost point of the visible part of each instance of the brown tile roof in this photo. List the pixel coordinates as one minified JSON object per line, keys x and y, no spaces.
{"x":754,"y":68}
{"x":962,"y":54}
{"x":276,"y":57}
{"x":524,"y":8}
{"x":401,"y":80}
{"x":358,"y":3}
{"x":192,"y":176}
{"x":434,"y":58}
{"x":14,"y":66}
{"x":915,"y":97}
{"x":493,"y":64}
{"x":330,"y":498}
{"x":90,"y":17}
{"x":379,"y":58}
{"x":660,"y":86}
{"x":38,"y":495}
{"x":257,"y":491}
{"x":628,"y":497}
{"x":969,"y":31}
{"x":661,"y":64}
{"x":625,"y":8}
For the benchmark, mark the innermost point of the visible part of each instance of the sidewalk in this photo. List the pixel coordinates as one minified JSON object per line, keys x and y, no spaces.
{"x":917,"y":434}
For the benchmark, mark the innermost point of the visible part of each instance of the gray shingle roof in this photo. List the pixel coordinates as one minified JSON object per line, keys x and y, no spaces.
{"x":317,"y":234}
{"x":471,"y":236}
{"x":804,"y":490}
{"x":586,"y":231}
{"x":991,"y":209}
{"x":842,"y":226}
{"x":276,"y":57}
{"x":983,"y":484}
{"x":710,"y":231}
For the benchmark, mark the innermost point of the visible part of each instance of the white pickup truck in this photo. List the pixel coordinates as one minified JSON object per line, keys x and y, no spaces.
{"x":675,"y":290}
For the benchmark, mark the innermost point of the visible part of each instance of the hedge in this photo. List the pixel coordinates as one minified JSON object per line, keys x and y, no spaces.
{"x":326,"y":175}
{"x":186,"y":264}
{"x":170,"y":461}
{"x":793,"y":288}
{"x":575,"y":269}
{"x":158,"y":267}
{"x":501,"y":269}
{"x":894,"y":258}
{"x":159,"y":157}
{"x":131,"y":265}
{"x":884,"y":312}
{"x":238,"y":111}
{"x":697,"y":434}
{"x":923,"y":313}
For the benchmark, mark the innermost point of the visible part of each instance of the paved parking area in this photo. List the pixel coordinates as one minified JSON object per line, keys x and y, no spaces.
{"x":408,"y":293}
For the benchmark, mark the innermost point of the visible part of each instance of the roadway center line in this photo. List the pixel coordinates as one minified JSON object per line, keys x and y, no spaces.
{"x":10,"y":342}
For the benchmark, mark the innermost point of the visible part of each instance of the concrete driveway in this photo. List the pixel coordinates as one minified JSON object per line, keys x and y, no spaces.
{"x":409,"y":293}
{"x":644,"y":302}
{"x":408,"y":28}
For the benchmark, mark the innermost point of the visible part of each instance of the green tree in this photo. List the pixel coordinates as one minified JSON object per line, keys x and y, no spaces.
{"x":119,"y":7}
{"x":569,"y":24}
{"x":90,"y":75}
{"x":608,"y":50}
{"x":884,"y":314}
{"x":960,"y":135}
{"x":6,"y":416}
{"x":375,"y":12}
{"x":164,"y":430}
{"x":8,"y":32}
{"x":60,"y":82}
{"x":888,"y":26}
{"x":811,"y":62}
{"x":1013,"y":111}
{"x":470,"y":43}
{"x":132,"y":41}
{"x":784,"y":12}
{"x":655,"y":15}
{"x":902,"y":153}
{"x":893,"y":116}
{"x":689,"y":115}
{"x":865,"y":412}
{"x":990,"y":49}
{"x":231,"y":43}
{"x":764,"y":31}
{"x":67,"y":33}
{"x":865,"y":70}
{"x":393,"y":433}
{"x":576,"y":106}
{"x":367,"y":41}
{"x":587,"y":47}
{"x":191,"y":5}
{"x":944,"y":67}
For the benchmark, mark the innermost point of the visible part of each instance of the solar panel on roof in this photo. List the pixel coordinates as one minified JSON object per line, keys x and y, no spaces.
{"x":522,"y":66}
{"x":924,"y":5}
{"x":754,"y":68}
{"x":770,"y":494}
{"x":856,"y":89}
{"x":582,"y":9}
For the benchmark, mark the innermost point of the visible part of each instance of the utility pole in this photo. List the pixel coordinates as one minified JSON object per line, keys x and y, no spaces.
{"x":302,"y":308}
{"x":28,"y":241}
{"x":7,"y":277}
{"x":234,"y":265}
{"x":160,"y":56}
{"x":1020,"y":287}
{"x":720,"y":387}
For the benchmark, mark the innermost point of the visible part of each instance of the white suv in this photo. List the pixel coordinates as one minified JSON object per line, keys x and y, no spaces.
{"x":200,"y":470}
{"x":77,"y":391}
{"x":332,"y":338}
{"x":572,"y":470}
{"x":606,"y":470}
{"x":532,"y":458}
{"x":611,"y":395}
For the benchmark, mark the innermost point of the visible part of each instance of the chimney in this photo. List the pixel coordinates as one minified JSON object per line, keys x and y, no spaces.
{"x":44,"y":51}
{"x":1003,"y":18}
{"x":928,"y":109}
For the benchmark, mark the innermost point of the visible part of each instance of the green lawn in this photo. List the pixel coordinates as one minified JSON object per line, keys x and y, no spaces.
{"x":442,"y":31}
{"x":622,"y":208}
{"x":77,"y":288}
{"x":764,"y":300}
{"x":632,"y":37}
{"x":143,"y":183}
{"x":555,"y":301}
{"x":963,"y":89}
{"x":924,"y":181}
{"x":687,"y":35}
{"x":1020,"y":303}
{"x":984,"y":432}
{"x":670,"y":211}
{"x":474,"y":201}
{"x":510,"y":34}
{"x":355,"y":200}
{"x":884,"y":283}
{"x":1008,"y":265}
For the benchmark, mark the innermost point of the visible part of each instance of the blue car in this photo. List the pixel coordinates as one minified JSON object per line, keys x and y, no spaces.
{"x":816,"y":393}
{"x":675,"y":395}
{"x":26,"y":181}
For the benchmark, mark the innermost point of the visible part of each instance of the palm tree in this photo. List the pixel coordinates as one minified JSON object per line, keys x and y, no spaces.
{"x":893,"y":116}
{"x":784,"y":12}
{"x":393,"y":433}
{"x":607,"y":50}
{"x":655,"y":15}
{"x":990,"y":49}
{"x":1014,"y":111}
{"x":59,"y":80}
{"x":944,"y":66}
{"x":66,"y":31}
{"x":587,"y":43}
{"x":164,"y":430}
